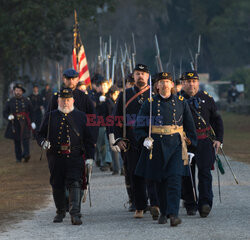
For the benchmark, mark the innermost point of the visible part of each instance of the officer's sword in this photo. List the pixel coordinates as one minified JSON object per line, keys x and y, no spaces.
{"x":218,"y":174}
{"x":90,"y":174}
{"x":124,"y":102}
{"x":150,"y":115}
{"x":191,"y":155}
{"x":228,"y":164}
{"x":87,"y":191}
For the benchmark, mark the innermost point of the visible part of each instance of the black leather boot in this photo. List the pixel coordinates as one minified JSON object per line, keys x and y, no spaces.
{"x":74,"y":203}
{"x":162,"y":219}
{"x":174,"y":220}
{"x":59,"y":199}
{"x":205,"y":210}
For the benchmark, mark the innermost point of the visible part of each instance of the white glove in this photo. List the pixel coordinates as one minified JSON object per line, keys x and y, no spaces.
{"x":89,"y":162}
{"x":190,"y":157}
{"x":102,"y":98}
{"x":33,"y":125}
{"x":11,"y":117}
{"x":148,"y":143}
{"x":112,"y":141}
{"x":45,"y":144}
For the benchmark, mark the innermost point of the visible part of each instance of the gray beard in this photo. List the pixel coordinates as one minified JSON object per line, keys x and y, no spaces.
{"x":65,"y":110}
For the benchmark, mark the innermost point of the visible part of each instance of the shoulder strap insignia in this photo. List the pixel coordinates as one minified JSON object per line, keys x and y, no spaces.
{"x":181,"y":98}
{"x":207,"y":93}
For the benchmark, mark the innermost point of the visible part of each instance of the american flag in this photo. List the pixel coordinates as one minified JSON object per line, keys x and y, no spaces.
{"x":80,"y":63}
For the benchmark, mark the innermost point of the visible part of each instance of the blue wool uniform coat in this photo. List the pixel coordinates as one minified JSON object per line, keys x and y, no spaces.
{"x":82,"y":102}
{"x":167,"y":154}
{"x":62,"y":165}
{"x":203,"y":104}
{"x":19,"y":128}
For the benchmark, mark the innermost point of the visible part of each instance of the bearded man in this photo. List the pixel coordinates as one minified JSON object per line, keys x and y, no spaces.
{"x":19,"y":113}
{"x":138,"y":189}
{"x":66,"y":137}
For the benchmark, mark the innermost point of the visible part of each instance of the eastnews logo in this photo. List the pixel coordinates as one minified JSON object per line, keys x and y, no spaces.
{"x":132,"y":120}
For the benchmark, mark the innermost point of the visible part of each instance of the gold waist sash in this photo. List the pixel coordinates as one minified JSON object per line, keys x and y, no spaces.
{"x":172,"y":129}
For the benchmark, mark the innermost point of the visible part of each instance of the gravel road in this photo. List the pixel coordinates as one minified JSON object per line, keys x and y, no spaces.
{"x":108,"y":219}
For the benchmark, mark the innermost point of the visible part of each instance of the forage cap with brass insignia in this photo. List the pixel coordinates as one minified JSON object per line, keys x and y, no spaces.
{"x":162,"y":75}
{"x":19,"y":85}
{"x":66,"y":93}
{"x":141,"y":67}
{"x":190,"y":75}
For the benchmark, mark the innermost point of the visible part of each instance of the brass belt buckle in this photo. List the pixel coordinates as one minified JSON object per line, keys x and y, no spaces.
{"x":165,"y":131}
{"x":65,"y":148}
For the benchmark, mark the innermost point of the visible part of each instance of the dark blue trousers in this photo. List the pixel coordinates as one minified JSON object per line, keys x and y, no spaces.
{"x":169,"y":193}
{"x":138,"y":184}
{"x":204,"y":160}
{"x":152,"y":193}
{"x":22,"y":149}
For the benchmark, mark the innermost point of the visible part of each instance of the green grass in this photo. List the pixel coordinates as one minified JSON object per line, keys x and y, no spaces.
{"x":237,"y":136}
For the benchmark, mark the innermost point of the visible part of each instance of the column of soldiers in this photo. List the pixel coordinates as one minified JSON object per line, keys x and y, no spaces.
{"x":162,"y":129}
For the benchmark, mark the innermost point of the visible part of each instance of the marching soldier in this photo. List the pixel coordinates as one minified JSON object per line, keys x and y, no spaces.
{"x":205,"y":116}
{"x":81,"y":101}
{"x":165,"y":152}
{"x":18,"y":112}
{"x":112,"y":96}
{"x":37,"y":106}
{"x":178,"y":86}
{"x":66,"y":137}
{"x":103,"y":153}
{"x":46,"y":95}
{"x":82,"y":87}
{"x":130,"y":82}
{"x":135,"y":97}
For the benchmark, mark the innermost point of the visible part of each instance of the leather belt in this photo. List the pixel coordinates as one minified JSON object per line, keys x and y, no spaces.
{"x":203,"y":133}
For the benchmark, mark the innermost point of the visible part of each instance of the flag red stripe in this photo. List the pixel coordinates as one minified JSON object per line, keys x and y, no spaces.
{"x":74,"y":59}
{"x":82,"y":57}
{"x":83,"y":70}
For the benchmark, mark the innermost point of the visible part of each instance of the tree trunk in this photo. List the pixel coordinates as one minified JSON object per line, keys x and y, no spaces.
{"x":1,"y":98}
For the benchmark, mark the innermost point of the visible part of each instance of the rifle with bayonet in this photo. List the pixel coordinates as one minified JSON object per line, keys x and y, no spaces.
{"x":134,"y":51}
{"x":194,"y":60}
{"x":198,"y":53}
{"x":169,"y":61}
{"x":158,"y":57}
